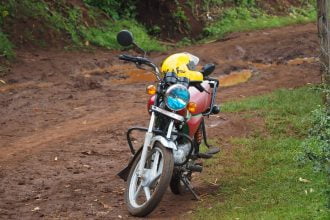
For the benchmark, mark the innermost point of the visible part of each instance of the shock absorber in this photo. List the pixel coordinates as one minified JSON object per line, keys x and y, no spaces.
{"x":199,"y":135}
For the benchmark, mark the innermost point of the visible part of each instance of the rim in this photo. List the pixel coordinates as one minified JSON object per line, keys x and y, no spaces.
{"x":142,"y":188}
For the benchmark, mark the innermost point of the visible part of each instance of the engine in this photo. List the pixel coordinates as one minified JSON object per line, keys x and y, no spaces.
{"x":181,"y":153}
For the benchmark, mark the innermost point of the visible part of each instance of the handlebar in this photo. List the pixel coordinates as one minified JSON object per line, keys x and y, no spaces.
{"x":139,"y":61}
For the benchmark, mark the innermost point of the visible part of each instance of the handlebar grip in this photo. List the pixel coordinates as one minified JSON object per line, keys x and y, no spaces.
{"x":139,"y":60}
{"x":127,"y":58}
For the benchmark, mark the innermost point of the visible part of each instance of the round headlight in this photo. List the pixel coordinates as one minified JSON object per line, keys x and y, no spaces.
{"x":177,"y":97}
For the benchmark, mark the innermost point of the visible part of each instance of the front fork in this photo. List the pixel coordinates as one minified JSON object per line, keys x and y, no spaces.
{"x":147,"y":142}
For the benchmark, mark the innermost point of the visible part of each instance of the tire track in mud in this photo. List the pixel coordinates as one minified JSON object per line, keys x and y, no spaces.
{"x":67,"y":130}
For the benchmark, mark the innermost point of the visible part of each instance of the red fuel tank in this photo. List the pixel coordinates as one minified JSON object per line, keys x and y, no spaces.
{"x":202,"y":99}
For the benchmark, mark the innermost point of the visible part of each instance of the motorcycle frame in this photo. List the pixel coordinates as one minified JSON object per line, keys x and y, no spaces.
{"x":165,"y":140}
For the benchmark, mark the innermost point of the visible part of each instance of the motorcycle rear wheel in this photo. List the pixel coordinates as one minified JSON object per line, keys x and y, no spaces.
{"x":176,"y":185}
{"x":142,"y":195}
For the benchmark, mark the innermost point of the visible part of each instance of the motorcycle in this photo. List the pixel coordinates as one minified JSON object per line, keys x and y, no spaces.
{"x":170,"y":153}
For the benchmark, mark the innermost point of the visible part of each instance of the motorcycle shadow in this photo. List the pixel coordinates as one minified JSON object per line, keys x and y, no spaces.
{"x":177,"y":206}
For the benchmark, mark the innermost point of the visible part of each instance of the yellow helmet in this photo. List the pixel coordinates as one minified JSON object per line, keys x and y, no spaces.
{"x":183,"y":64}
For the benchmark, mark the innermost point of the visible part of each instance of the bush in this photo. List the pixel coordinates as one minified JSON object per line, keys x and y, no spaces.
{"x":246,"y":18}
{"x":106,"y":36}
{"x":316,"y":148}
{"x":114,"y":8}
{"x":6,"y":47}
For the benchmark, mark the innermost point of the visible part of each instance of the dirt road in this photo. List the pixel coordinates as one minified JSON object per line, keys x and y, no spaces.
{"x":64,"y":116}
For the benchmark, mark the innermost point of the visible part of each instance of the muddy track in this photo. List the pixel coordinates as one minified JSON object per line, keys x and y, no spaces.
{"x":64,"y":117}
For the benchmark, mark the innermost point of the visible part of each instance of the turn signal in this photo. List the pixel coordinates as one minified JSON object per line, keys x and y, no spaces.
{"x":151,"y":90}
{"x":192,"y":107}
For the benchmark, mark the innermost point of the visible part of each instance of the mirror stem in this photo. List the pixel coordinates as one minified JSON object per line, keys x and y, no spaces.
{"x":137,"y":46}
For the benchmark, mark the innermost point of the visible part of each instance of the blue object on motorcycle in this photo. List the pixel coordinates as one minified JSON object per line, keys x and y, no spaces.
{"x":177,"y":97}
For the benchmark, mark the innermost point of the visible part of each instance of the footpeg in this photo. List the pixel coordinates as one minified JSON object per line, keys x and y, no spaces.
{"x":213,"y":150}
{"x":195,"y":168}
{"x":204,"y":155}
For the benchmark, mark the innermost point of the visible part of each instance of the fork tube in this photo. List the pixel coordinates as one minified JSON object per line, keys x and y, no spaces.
{"x":170,"y":128}
{"x":146,"y":143}
{"x":151,"y":123}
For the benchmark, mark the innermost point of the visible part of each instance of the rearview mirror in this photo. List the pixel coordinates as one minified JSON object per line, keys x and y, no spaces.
{"x":125,"y":38}
{"x":208,"y":69}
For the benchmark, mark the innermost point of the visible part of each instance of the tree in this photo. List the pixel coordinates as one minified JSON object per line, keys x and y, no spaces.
{"x":323,"y":18}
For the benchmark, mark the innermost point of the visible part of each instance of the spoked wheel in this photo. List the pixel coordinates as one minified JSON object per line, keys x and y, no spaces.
{"x":143,"y":194}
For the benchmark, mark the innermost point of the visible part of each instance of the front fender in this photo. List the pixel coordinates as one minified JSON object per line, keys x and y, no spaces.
{"x":165,"y":142}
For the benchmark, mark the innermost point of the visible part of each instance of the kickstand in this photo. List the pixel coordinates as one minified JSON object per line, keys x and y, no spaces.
{"x":186,"y":182}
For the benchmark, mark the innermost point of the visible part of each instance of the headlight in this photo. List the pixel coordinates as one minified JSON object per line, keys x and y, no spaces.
{"x":177,"y":97}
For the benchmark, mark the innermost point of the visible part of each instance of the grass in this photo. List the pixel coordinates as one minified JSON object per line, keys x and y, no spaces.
{"x":260,"y":177}
{"x":106,"y":36}
{"x":283,"y":111}
{"x":244,"y":19}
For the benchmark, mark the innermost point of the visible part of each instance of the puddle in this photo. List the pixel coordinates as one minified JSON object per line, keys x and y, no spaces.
{"x":135,"y":76}
{"x":235,"y":78}
{"x":128,"y":74}
{"x":124,"y":74}
{"x":120,"y":74}
{"x":242,"y":76}
{"x":298,"y":61}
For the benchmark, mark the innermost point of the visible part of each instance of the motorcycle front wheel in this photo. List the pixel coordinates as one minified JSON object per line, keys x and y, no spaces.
{"x":143,"y":194}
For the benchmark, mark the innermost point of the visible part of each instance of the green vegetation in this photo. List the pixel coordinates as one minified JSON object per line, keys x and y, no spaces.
{"x":60,"y":18}
{"x":6,"y":47}
{"x":260,"y":177}
{"x":317,"y":145}
{"x":179,"y":15}
{"x":251,"y":18}
{"x":283,"y":110}
{"x":114,"y":8}
{"x":106,"y":36}
{"x":316,"y":148}
{"x":85,"y":22}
